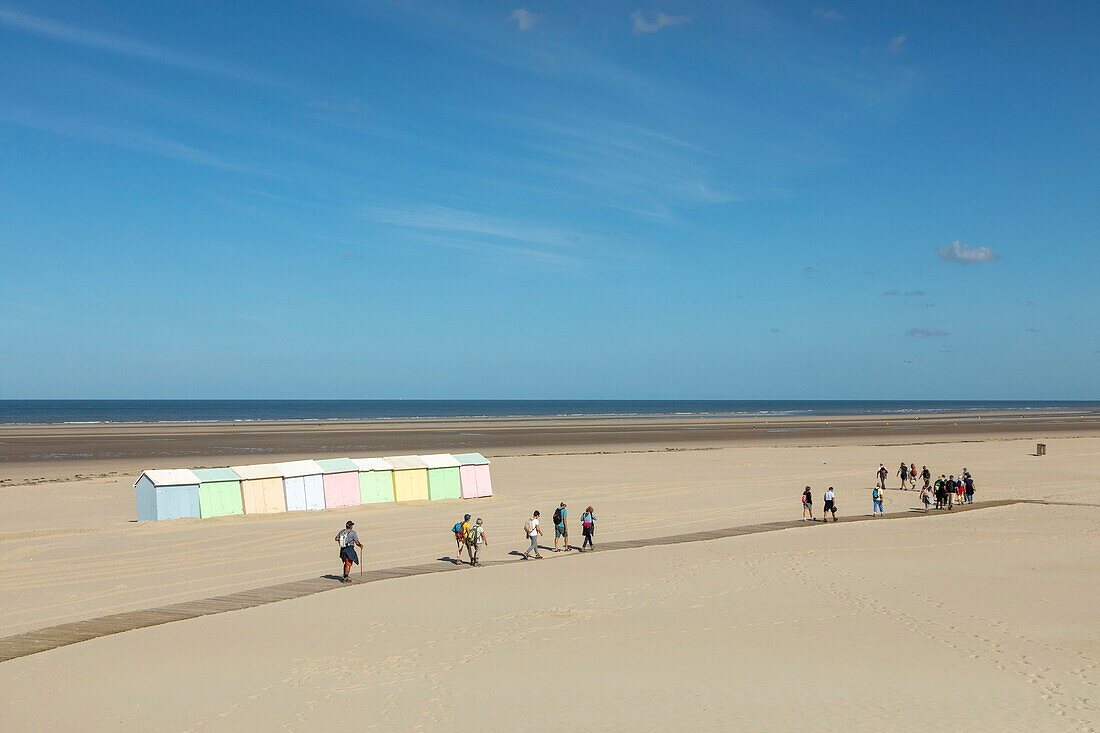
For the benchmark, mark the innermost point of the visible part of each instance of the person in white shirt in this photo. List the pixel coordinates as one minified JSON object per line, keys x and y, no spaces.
{"x":476,"y":542}
{"x":830,"y":505}
{"x":532,"y":531}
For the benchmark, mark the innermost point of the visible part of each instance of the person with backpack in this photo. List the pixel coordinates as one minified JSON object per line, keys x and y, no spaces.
{"x":941,"y":491}
{"x":460,"y":530}
{"x":830,"y":505}
{"x":348,"y":540}
{"x":807,"y":504}
{"x":949,"y":492}
{"x":903,"y":472}
{"x":882,"y":474}
{"x":588,"y":528}
{"x":877,"y":496}
{"x":475,"y":539}
{"x":969,"y":481}
{"x":927,"y":476}
{"x":532,"y":531}
{"x":561,"y":527}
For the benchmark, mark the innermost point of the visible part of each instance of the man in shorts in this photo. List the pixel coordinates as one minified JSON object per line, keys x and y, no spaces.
{"x":927,"y":476}
{"x":348,"y":540}
{"x":882,"y":474}
{"x":830,"y":505}
{"x":460,"y":529}
{"x":561,"y":527}
{"x":807,"y":504}
{"x":475,"y":540}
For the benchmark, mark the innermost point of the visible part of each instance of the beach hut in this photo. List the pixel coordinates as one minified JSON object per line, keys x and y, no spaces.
{"x":171,"y":493}
{"x":375,"y":480}
{"x":410,"y":478}
{"x":341,"y":482}
{"x":303,"y":485}
{"x":261,"y":489}
{"x":443,"y":476}
{"x":475,"y":475}
{"x":219,"y":492}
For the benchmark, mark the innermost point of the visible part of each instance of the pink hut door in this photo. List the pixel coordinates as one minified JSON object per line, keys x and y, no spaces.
{"x":484,"y":484}
{"x":468,"y":477}
{"x":342,"y":489}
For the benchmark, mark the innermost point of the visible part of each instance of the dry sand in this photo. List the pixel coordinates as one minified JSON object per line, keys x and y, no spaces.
{"x":984,"y":621}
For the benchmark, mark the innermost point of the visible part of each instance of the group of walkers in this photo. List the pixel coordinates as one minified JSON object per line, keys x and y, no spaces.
{"x":948,"y":491}
{"x":532,"y":530}
{"x":945,"y":492}
{"x":470,"y":536}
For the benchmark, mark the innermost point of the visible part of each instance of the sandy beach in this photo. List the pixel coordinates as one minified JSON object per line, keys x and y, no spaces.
{"x":980,"y":621}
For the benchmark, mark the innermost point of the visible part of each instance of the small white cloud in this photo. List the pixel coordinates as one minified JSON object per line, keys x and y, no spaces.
{"x":660,"y":21}
{"x":924,"y":332}
{"x":524,"y":19}
{"x":965,"y":255}
{"x":896,"y":44}
{"x":828,"y":14}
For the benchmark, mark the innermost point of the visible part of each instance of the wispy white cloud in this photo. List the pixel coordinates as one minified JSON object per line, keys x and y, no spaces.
{"x":124,"y":46}
{"x":493,"y":235}
{"x":828,"y":14}
{"x":963,"y":254}
{"x":896,"y":44}
{"x":524,"y":19}
{"x":924,"y":332}
{"x":128,"y":139}
{"x":660,"y":21}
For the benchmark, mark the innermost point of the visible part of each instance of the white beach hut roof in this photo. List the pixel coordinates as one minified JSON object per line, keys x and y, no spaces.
{"x":372,"y":464}
{"x":294,"y":469}
{"x":171,"y":477}
{"x":260,"y":470}
{"x":405,"y":462}
{"x":441,"y":460}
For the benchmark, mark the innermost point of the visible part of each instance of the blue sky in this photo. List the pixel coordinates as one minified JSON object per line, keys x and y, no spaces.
{"x":618,"y":200}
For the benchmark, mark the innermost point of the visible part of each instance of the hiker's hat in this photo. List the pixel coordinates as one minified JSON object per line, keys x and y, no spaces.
{"x":466,"y":517}
{"x":350,"y":524}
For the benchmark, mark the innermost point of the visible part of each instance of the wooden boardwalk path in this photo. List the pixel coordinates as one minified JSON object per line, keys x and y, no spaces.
{"x":33,"y":642}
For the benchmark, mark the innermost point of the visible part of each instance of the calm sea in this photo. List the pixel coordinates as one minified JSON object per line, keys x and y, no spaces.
{"x":106,"y":411}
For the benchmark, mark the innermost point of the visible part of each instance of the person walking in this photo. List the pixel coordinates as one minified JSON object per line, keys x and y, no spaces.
{"x":877,"y":495}
{"x":925,"y":499}
{"x":903,"y":472}
{"x":532,"y":531}
{"x":475,"y":540}
{"x":460,"y":529}
{"x":588,"y":528}
{"x":561,"y":527}
{"x":807,"y":504}
{"x":882,"y":474}
{"x":348,"y":540}
{"x":949,"y":491}
{"x":912,"y":476}
{"x":830,"y":505}
{"x":969,"y":481}
{"x":927,"y":476}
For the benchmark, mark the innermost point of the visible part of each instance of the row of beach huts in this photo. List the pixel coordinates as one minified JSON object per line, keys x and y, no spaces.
{"x":268,"y":488}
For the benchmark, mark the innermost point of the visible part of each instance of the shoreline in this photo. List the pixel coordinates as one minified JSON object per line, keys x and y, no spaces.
{"x":194,"y":444}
